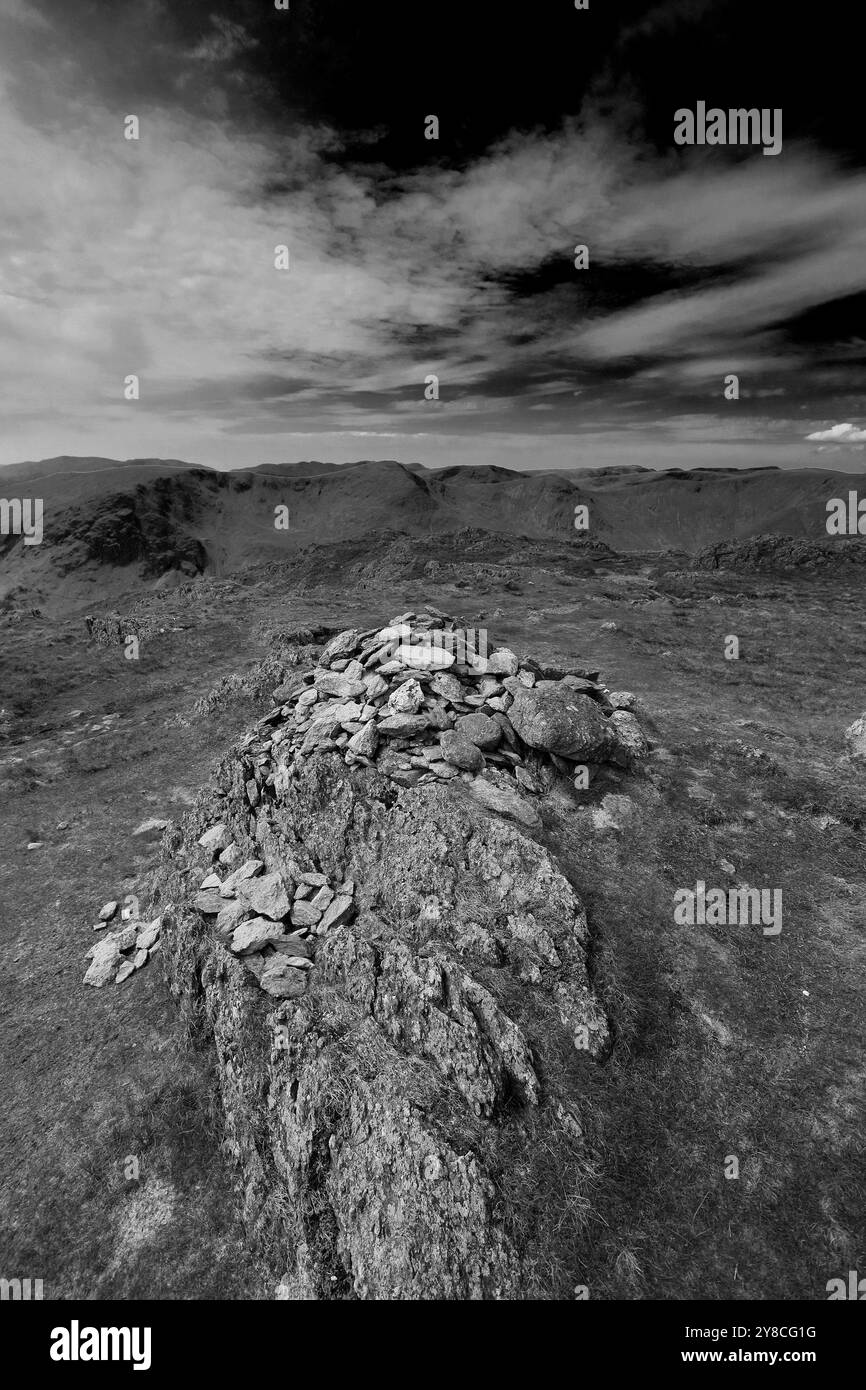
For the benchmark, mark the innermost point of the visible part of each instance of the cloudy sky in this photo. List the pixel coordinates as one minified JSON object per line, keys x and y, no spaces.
{"x":411,"y":256}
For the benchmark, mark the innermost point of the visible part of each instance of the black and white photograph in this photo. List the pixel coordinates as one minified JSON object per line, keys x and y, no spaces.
{"x":432,"y":668}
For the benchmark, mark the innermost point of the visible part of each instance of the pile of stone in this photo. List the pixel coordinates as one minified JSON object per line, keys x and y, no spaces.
{"x":269,"y":921}
{"x":122,"y":952}
{"x":420,"y":700}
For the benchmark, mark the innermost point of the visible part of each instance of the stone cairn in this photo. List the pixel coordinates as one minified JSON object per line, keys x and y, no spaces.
{"x":420,"y":701}
{"x":423,"y":700}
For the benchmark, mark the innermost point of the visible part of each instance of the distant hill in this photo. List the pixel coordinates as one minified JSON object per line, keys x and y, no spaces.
{"x":111,"y":525}
{"x":70,"y":478}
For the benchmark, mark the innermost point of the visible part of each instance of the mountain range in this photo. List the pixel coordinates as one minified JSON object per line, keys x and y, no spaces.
{"x":112,"y":525}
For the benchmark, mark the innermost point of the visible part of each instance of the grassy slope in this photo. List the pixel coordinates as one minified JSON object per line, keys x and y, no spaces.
{"x":718,"y":1049}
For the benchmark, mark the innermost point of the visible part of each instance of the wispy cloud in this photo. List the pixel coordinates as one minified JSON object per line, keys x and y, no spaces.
{"x":225,"y":41}
{"x":156,"y":258}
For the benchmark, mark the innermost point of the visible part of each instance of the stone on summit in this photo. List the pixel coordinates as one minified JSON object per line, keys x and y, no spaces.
{"x":556,"y":719}
{"x":215,"y":839}
{"x":425,"y":656}
{"x":336,"y":683}
{"x":304,"y":914}
{"x":339,"y":911}
{"x":253,"y":935}
{"x":405,"y":724}
{"x":365,"y":741}
{"x":248,"y":869}
{"x":407,"y":698}
{"x":479,"y":729}
{"x":447,"y":686}
{"x":460,"y":751}
{"x":266,"y":895}
{"x":344,"y":644}
{"x":502,"y":662}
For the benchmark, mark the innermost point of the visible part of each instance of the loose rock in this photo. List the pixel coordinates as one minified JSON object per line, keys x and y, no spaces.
{"x":103,"y":962}
{"x":145,"y":939}
{"x":305,"y":915}
{"x":502,"y":663}
{"x":253,"y":935}
{"x":479,"y":729}
{"x":341,"y":910}
{"x":215,"y":839}
{"x":248,"y":869}
{"x":557,"y":719}
{"x":460,"y":752}
{"x":266,"y":895}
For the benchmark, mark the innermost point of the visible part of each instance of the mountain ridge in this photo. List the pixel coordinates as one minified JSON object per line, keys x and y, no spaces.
{"x":171,"y":518}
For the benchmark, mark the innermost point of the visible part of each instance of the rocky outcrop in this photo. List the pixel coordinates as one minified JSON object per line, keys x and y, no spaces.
{"x":150,"y":525}
{"x":772,"y":552}
{"x":436,"y":955}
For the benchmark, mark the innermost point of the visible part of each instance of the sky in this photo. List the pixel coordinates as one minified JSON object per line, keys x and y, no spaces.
{"x":411,"y":257}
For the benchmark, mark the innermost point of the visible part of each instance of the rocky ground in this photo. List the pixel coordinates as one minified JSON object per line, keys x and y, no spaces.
{"x":720,"y":1041}
{"x":774,"y":553}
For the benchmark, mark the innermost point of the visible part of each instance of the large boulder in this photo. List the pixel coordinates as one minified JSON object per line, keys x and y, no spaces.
{"x":559,"y":719}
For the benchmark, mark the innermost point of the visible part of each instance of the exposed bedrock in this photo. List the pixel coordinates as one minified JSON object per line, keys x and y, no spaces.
{"x":369,"y":1118}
